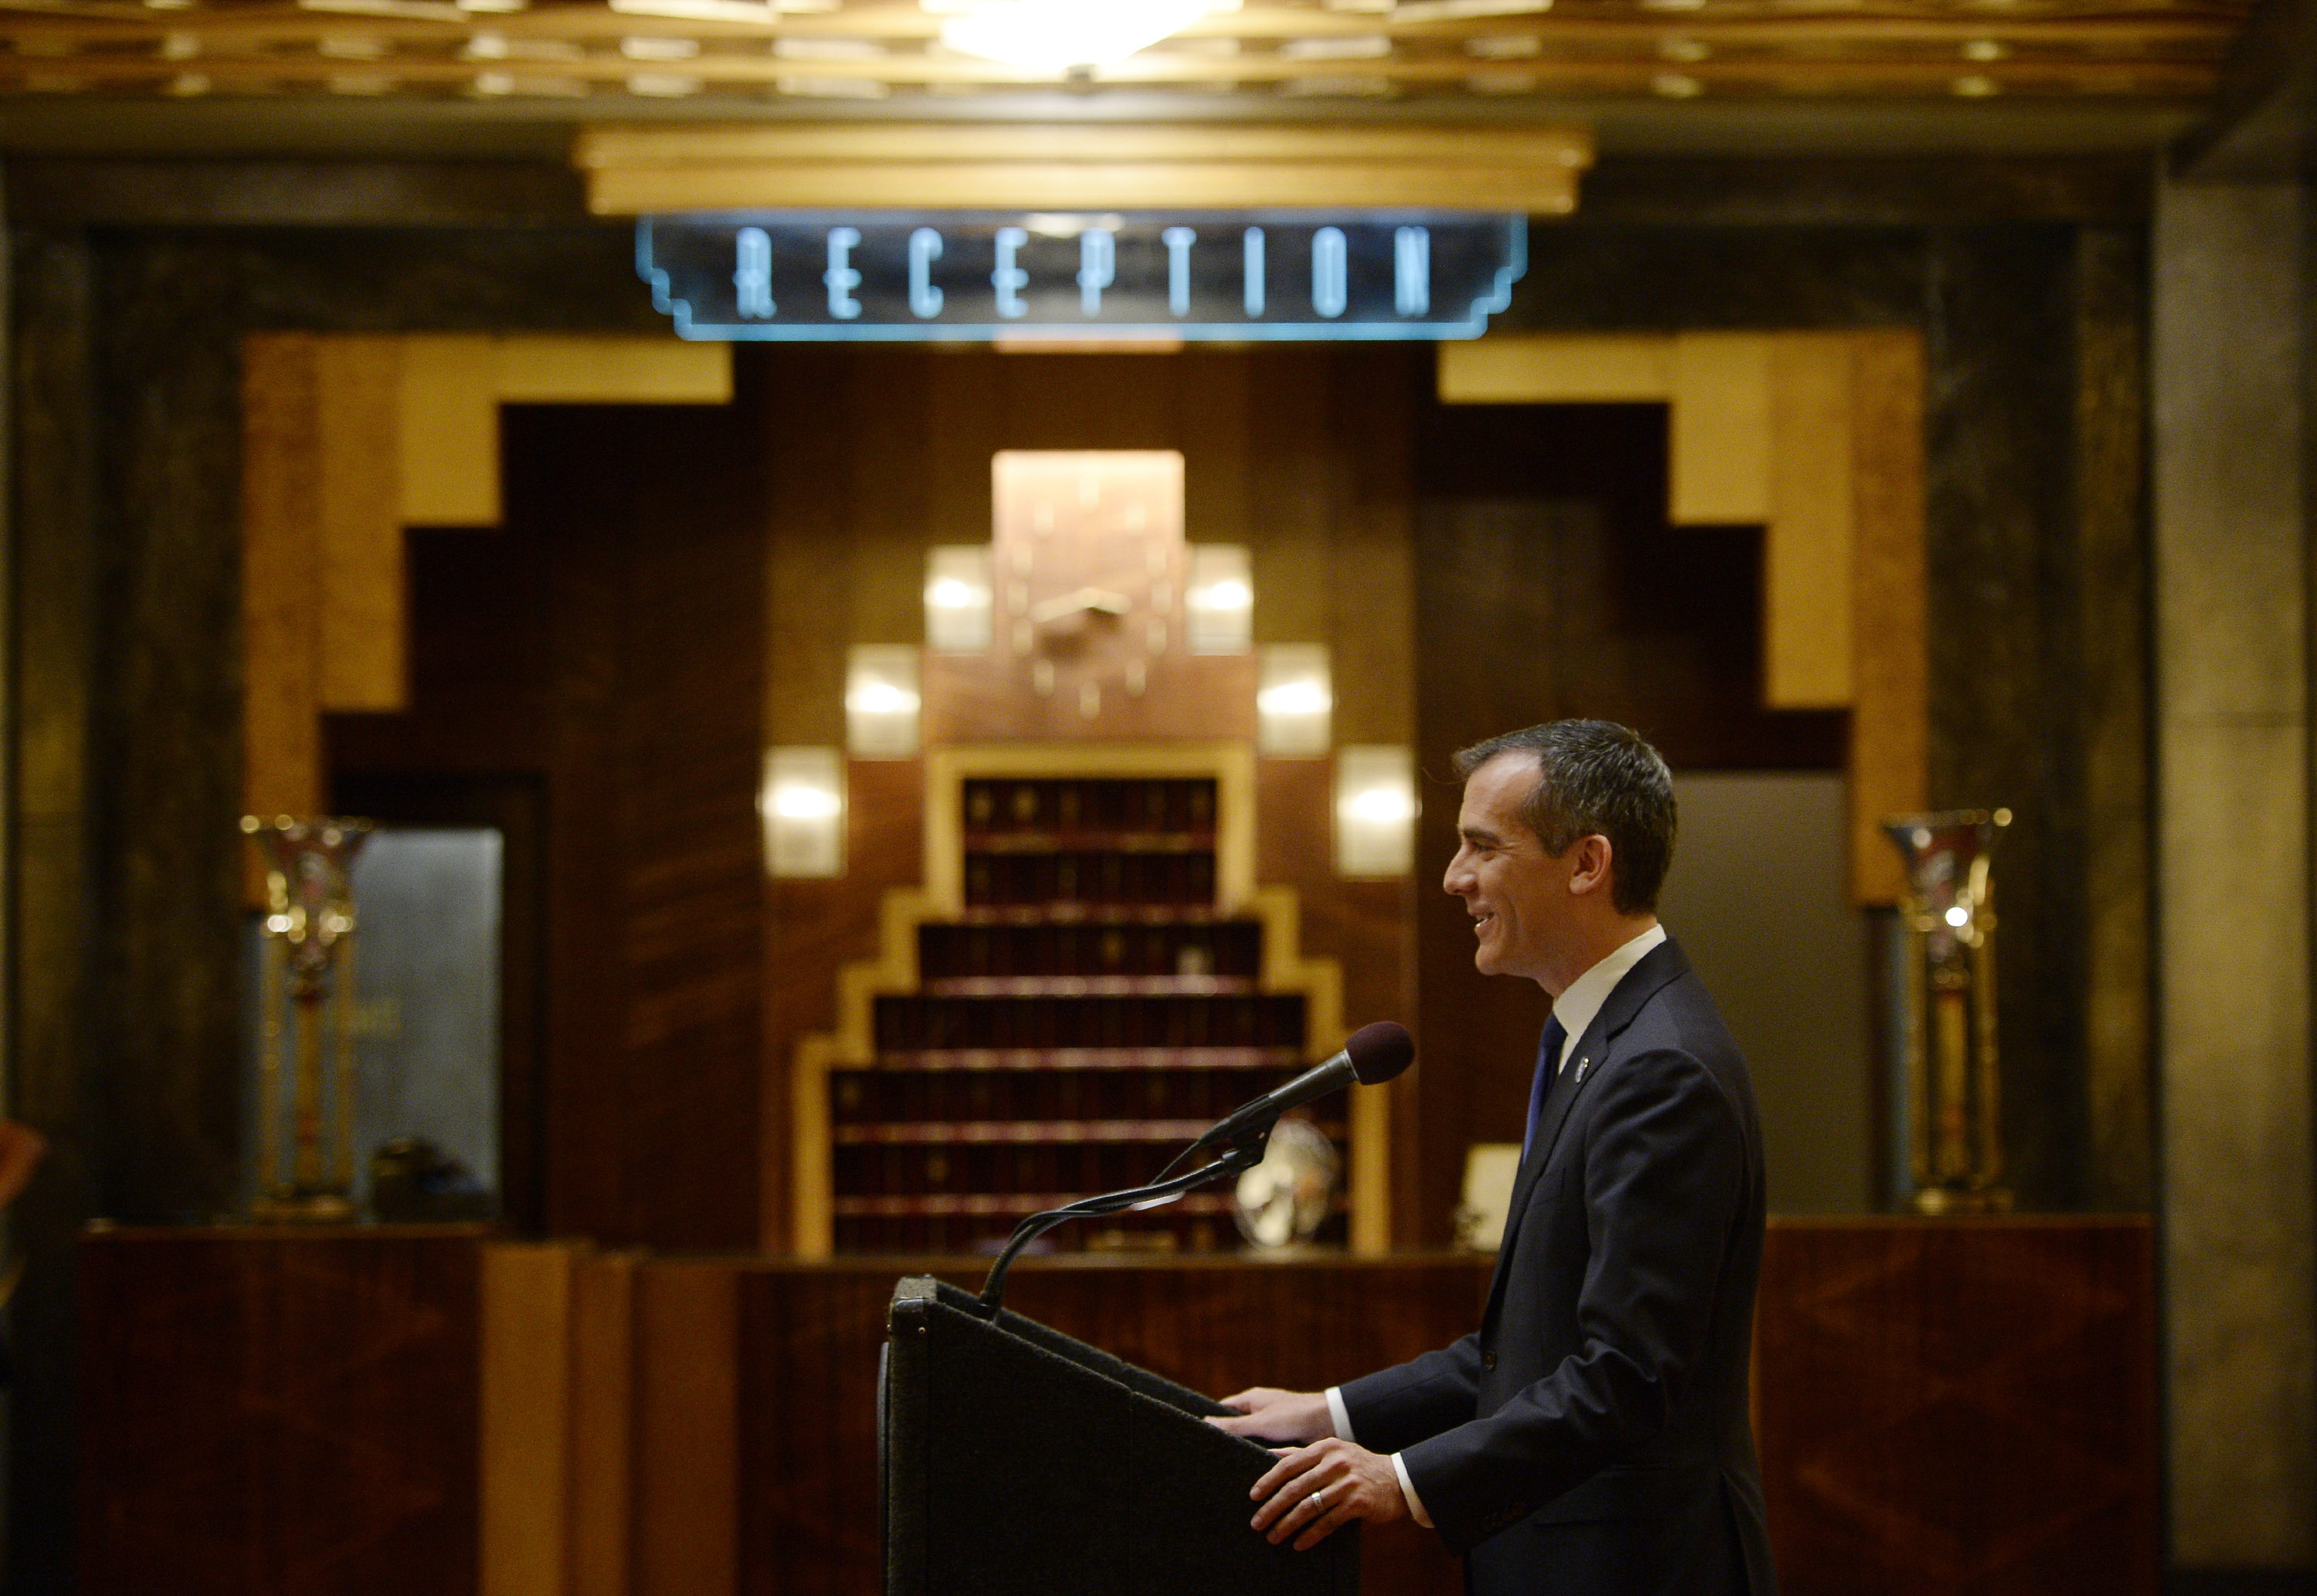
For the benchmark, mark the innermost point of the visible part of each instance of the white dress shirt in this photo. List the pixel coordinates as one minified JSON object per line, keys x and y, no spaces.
{"x":1575,"y":1009}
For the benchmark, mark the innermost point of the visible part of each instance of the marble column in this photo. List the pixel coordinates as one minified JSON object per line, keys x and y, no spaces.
{"x":2233,"y":860}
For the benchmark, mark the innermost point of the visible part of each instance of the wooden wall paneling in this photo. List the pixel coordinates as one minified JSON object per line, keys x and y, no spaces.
{"x":528,"y":1413}
{"x":362,"y":625}
{"x":604,"y":1425}
{"x":281,"y":496}
{"x":887,"y":510}
{"x":1807,"y":557}
{"x":967,"y":429}
{"x":1292,"y":495}
{"x":1721,"y":430}
{"x":448,"y":430}
{"x":1369,"y":926}
{"x":687,"y":1442}
{"x":1889,"y":717}
{"x":805,"y":439}
{"x":1087,"y":401}
{"x":1951,"y":1405}
{"x":1216,"y":393}
{"x":809,"y":1339}
{"x":1373,"y":396}
{"x":681,"y":1104}
{"x":268,"y":1412}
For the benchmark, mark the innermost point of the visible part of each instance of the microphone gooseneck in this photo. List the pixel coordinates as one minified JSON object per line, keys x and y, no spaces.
{"x":1374,"y":1054}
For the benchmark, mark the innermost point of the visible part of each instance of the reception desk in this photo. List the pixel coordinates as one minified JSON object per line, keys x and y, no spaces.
{"x":1941,"y":1406}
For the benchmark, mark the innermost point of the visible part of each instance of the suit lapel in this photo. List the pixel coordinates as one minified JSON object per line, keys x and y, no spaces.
{"x":1662,"y":964}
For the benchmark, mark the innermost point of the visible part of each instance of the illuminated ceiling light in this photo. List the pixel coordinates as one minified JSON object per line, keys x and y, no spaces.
{"x":1294,"y":700}
{"x":659,"y":50}
{"x":828,"y":49}
{"x":1375,"y":810}
{"x":1055,"y":35}
{"x":958,"y":598}
{"x":1975,"y":86}
{"x":498,"y":46}
{"x":1673,"y":4}
{"x":701,"y":11}
{"x":1367,"y":86}
{"x":1504,"y":47}
{"x":822,"y":87}
{"x":803,"y":805}
{"x":1219,"y":599}
{"x":1356,"y":46}
{"x":1683,"y":49}
{"x":186,"y":84}
{"x":180,"y":47}
{"x":663,"y":86}
{"x":494,"y":6}
{"x":882,"y":695}
{"x":419,"y":10}
{"x":1428,"y":11}
{"x":1677,"y":86}
{"x":1986,"y":49}
{"x":351,"y":47}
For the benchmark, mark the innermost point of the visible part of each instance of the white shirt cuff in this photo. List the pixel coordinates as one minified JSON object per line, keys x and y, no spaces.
{"x":1338,"y":1414}
{"x":1408,"y":1489}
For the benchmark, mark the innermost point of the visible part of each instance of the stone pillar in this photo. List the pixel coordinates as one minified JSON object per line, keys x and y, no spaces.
{"x":2233,"y":860}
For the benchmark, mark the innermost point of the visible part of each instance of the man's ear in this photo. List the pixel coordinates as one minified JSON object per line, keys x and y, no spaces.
{"x":1590,"y":873}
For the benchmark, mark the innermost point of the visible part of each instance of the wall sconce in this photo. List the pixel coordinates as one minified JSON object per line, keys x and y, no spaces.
{"x":1375,"y":810}
{"x":1292,"y":702}
{"x":1219,"y":608}
{"x":803,"y":803}
{"x":957,"y":598}
{"x":881,"y":700}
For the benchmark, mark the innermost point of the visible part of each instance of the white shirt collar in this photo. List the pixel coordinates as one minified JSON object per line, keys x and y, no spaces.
{"x":1576,"y":1007}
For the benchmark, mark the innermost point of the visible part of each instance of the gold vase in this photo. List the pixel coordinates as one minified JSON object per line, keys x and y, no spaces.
{"x":1954,"y":1088}
{"x":307,"y":997}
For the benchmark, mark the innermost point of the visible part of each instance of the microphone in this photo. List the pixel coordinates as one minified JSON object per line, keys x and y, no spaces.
{"x":1374,"y":1054}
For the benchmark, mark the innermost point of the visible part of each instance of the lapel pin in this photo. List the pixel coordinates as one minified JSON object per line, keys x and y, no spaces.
{"x":1582,"y":1064}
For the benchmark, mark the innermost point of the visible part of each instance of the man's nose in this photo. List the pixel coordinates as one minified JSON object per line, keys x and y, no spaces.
{"x":1449,"y":878}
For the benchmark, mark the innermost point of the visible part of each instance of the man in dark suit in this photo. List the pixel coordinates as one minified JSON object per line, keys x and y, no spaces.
{"x":1591,"y":1439}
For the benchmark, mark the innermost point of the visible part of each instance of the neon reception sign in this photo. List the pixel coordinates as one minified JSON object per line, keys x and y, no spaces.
{"x":972,"y":276}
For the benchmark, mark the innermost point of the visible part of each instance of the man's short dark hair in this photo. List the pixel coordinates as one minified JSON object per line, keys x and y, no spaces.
{"x":1596,"y":776}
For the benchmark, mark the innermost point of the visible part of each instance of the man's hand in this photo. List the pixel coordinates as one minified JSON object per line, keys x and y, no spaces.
{"x":1267,"y":1413}
{"x":1314,"y":1491}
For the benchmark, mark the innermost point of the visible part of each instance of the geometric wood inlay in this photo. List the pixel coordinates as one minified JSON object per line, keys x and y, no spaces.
{"x":1960,"y":1406}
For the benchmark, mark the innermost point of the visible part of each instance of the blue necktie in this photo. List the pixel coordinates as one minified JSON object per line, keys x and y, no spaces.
{"x":1548,"y":1070}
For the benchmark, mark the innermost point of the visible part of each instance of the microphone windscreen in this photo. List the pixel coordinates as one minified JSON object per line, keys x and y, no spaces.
{"x":1378,"y":1052}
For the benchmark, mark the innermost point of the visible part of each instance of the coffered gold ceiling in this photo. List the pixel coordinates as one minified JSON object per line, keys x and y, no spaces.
{"x":1273,"y":53}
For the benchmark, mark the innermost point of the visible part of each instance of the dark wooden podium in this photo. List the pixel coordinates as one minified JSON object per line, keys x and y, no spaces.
{"x":1017,"y":1461}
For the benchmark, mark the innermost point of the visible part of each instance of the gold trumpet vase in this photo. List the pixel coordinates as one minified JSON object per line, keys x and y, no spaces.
{"x":1954,"y":1091}
{"x":307,"y":997}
